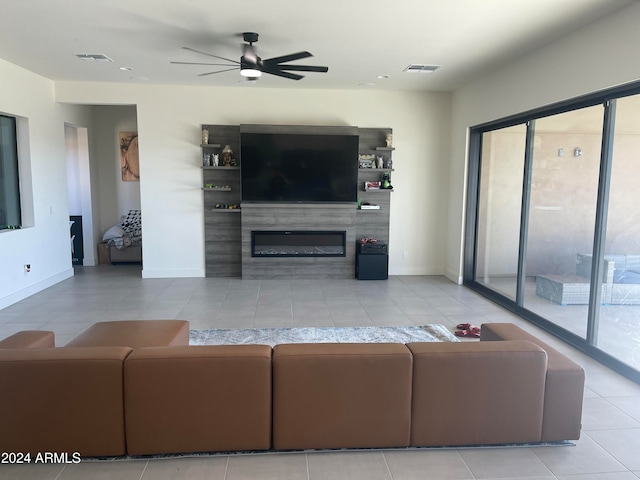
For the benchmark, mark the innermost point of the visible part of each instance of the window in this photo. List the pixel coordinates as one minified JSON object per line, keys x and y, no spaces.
{"x":553,"y":229}
{"x":9,"y":182}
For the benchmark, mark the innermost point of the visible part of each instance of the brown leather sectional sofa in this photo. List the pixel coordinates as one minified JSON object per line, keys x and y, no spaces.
{"x":136,"y":388}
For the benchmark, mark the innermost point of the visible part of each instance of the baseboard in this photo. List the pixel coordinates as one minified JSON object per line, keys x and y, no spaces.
{"x":454,"y":276}
{"x":416,"y":271}
{"x":32,"y":289}
{"x":171,"y":273}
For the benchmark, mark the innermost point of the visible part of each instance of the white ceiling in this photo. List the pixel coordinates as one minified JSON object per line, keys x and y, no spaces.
{"x":357,"y":39}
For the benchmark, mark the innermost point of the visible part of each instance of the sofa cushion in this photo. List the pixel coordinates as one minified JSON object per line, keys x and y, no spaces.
{"x":564,"y":386}
{"x":341,"y":396}
{"x":134,"y":334}
{"x":29,"y":339}
{"x":477,"y":393}
{"x":62,"y":400}
{"x":198,"y":399}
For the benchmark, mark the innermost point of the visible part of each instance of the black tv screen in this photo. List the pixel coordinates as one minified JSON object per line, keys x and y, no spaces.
{"x":283,"y":167}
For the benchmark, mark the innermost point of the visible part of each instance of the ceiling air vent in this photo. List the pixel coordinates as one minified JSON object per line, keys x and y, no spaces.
{"x":93,"y":57}
{"x":417,"y":68}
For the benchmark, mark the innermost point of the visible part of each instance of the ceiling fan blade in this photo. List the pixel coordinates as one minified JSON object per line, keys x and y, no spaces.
{"x":201,"y":63}
{"x":304,"y":68}
{"x":211,"y":55}
{"x":280,"y":73}
{"x":288,"y":58}
{"x":218,"y":71}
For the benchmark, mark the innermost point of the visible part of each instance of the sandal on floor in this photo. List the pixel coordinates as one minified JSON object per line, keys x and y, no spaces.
{"x":468,"y":326}
{"x":468,"y":333}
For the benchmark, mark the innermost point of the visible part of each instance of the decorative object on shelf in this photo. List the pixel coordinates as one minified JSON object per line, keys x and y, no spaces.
{"x":227,"y":157}
{"x":205,"y":136}
{"x":389,"y":163}
{"x":365,"y":161}
{"x":206,"y":160}
{"x":368,"y":206}
{"x":386,"y":181}
{"x":216,"y":159}
{"x":129,"y":161}
{"x":372,"y":185}
{"x":389,"y":140}
{"x":379,"y":162}
{"x":368,"y":240}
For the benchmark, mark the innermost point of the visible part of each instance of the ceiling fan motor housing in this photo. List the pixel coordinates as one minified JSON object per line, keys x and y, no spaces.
{"x":250,"y":37}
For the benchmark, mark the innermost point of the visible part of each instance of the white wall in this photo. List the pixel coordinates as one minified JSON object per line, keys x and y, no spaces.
{"x":169,"y":124}
{"x":601,"y":55}
{"x":45,"y":242}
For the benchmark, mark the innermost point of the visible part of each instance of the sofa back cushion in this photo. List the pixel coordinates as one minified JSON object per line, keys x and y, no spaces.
{"x":198,"y":399}
{"x":62,"y":400}
{"x":341,"y":395}
{"x":477,"y":393}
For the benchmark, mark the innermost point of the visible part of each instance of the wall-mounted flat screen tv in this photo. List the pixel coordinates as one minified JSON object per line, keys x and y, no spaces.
{"x":299,"y":168}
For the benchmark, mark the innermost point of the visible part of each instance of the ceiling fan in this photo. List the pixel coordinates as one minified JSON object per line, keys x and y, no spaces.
{"x":252,"y":66}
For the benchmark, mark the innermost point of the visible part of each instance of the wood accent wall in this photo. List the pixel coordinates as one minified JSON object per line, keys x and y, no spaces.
{"x":273,"y":216}
{"x":228,"y":233}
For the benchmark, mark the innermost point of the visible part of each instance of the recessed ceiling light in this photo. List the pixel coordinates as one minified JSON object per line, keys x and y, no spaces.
{"x":384,"y":76}
{"x":418,"y":68}
{"x":93,"y":57}
{"x":125,"y":69}
{"x":138,"y":78}
{"x":367,"y":84}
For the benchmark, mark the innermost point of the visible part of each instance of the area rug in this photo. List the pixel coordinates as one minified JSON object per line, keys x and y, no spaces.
{"x":274,"y":336}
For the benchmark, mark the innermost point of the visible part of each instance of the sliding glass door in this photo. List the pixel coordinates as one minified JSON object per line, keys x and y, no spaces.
{"x":562,"y":213}
{"x":554,"y":221}
{"x":618,"y":331}
{"x":499,"y":208}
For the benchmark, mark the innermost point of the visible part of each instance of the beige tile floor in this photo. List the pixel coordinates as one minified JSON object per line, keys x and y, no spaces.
{"x":609,"y":448}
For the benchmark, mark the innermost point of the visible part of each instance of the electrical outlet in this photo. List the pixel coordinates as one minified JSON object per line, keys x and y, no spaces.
{"x":27,"y":267}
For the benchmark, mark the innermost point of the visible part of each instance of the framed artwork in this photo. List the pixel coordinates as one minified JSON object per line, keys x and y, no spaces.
{"x":129,"y":162}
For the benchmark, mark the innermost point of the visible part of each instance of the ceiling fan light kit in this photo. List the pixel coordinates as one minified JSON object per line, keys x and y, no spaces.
{"x":251,"y":66}
{"x":250,"y":72}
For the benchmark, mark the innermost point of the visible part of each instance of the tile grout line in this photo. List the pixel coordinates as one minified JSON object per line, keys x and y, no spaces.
{"x":144,"y":470}
{"x":60,"y":472}
{"x":384,"y":457}
{"x":626,"y":469}
{"x":466,"y":465}
{"x":226,"y":468}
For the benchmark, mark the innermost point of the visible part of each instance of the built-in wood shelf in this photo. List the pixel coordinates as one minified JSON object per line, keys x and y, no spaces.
{"x":210,"y":145}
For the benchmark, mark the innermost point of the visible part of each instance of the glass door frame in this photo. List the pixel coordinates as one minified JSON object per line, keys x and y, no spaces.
{"x":588,"y":345}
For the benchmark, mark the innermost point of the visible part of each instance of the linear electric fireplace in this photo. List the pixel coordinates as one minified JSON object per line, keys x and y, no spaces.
{"x":287,"y":243}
